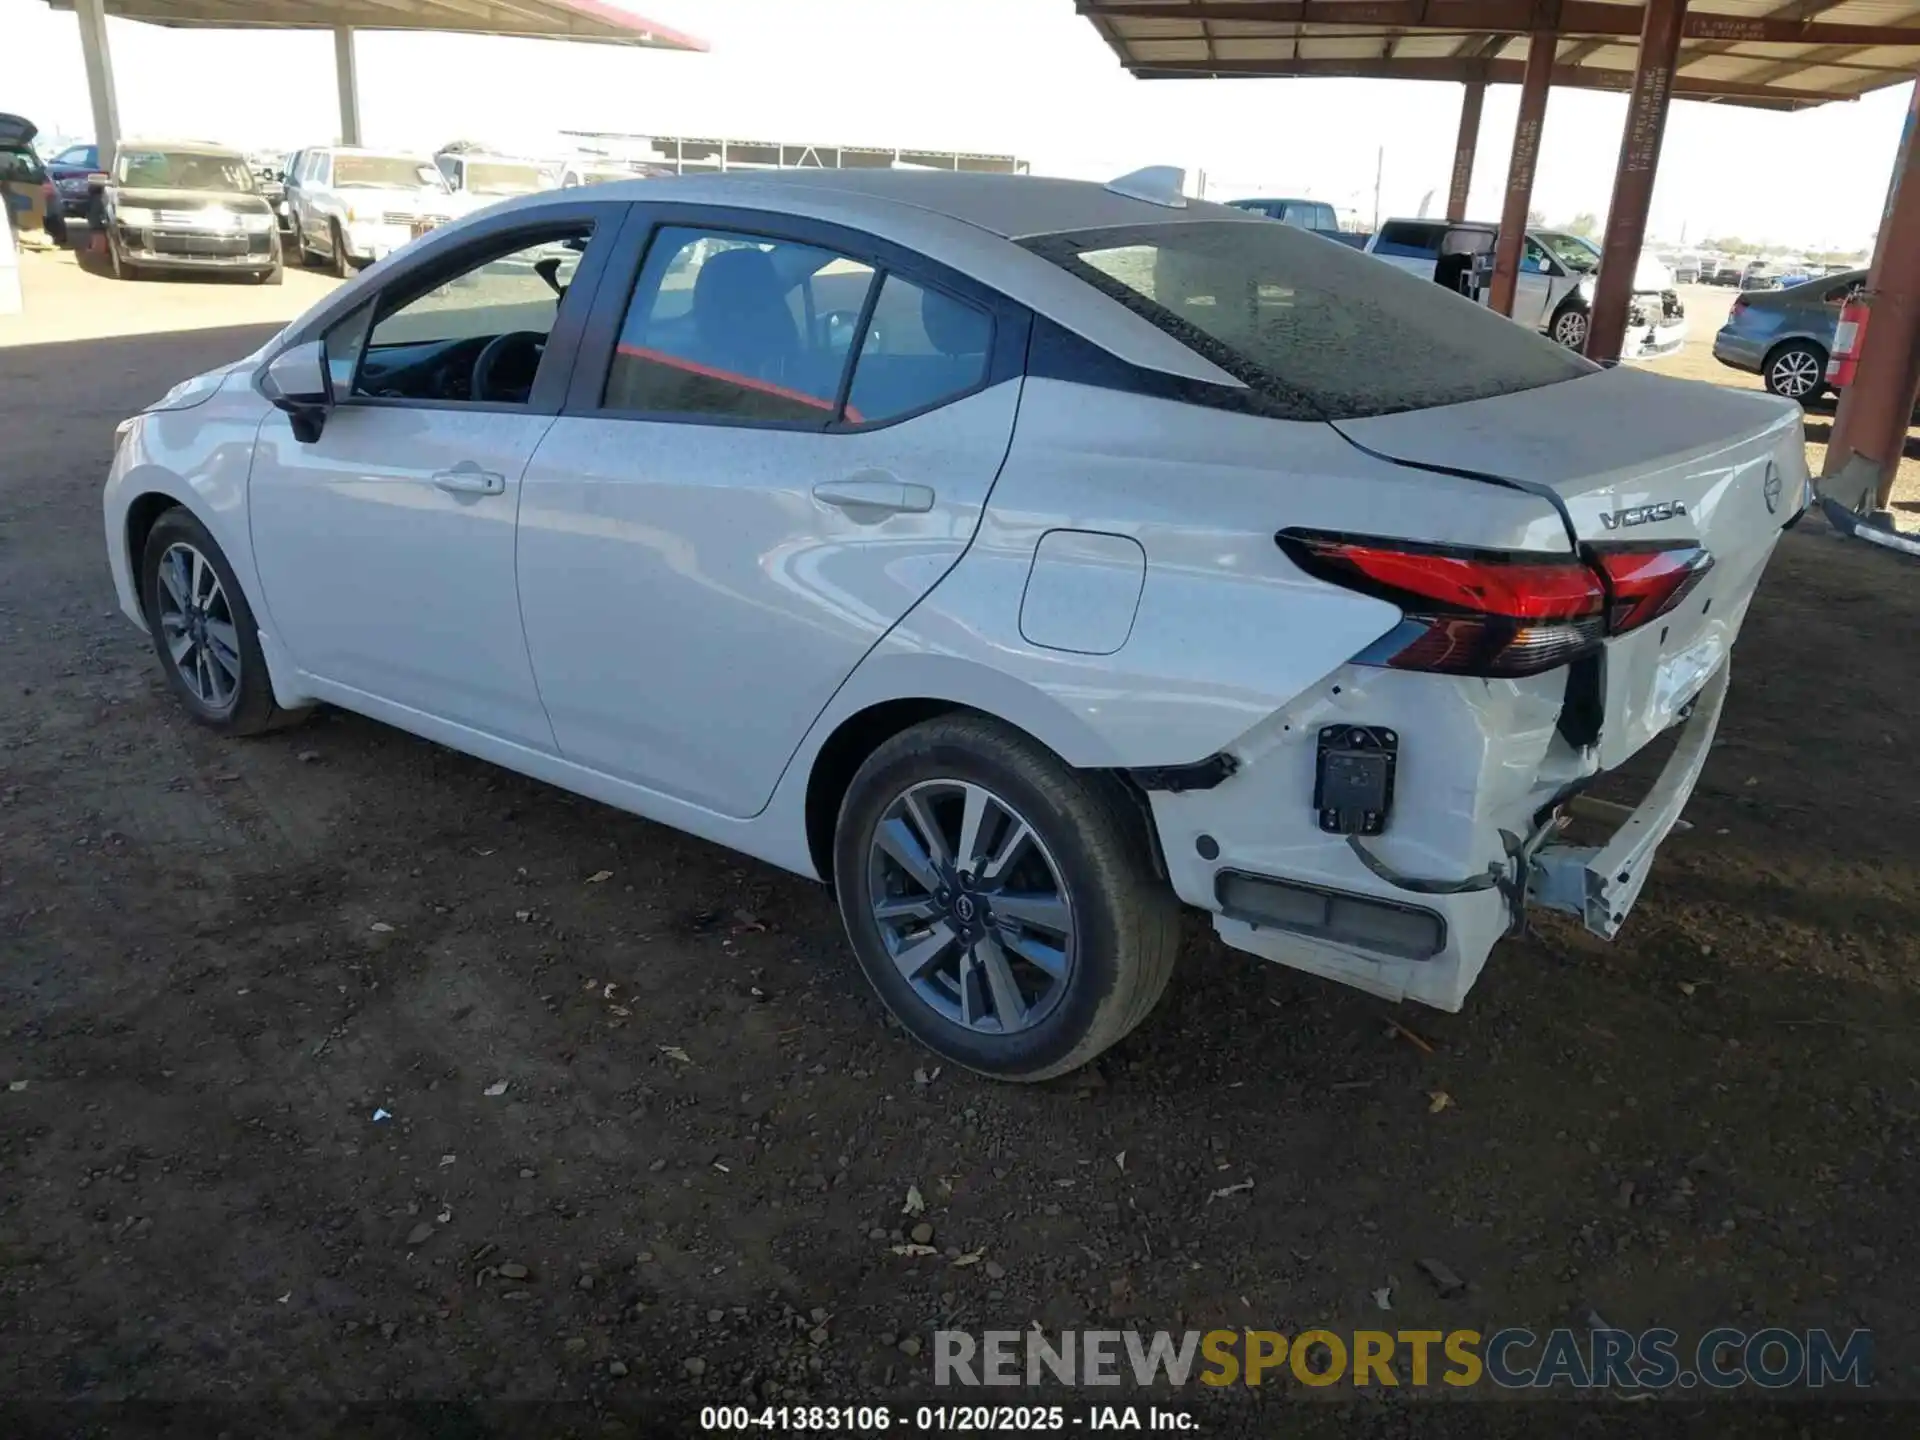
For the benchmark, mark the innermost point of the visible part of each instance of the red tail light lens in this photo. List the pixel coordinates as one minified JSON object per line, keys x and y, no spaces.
{"x":1468,"y":612}
{"x":1499,"y":613}
{"x":1646,"y":581}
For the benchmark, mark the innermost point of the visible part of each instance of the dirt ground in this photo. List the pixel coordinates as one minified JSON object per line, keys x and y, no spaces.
{"x":258,"y":1001}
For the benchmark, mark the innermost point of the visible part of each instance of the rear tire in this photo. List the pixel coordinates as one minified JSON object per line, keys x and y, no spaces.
{"x":1011,"y":994}
{"x":203,"y":630}
{"x":1796,"y":370}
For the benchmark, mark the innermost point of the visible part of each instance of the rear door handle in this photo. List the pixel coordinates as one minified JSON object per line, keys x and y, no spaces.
{"x":875,"y":493}
{"x":467,"y":478}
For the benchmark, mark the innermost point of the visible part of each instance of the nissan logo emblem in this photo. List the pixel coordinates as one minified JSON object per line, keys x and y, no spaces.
{"x":1771,"y":490}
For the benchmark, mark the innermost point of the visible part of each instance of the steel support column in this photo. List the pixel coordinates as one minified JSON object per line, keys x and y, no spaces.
{"x":1660,"y":33}
{"x":347,"y":73}
{"x":98,"y":60}
{"x":1534,"y":88}
{"x":1471,"y":99}
{"x":1870,"y":427}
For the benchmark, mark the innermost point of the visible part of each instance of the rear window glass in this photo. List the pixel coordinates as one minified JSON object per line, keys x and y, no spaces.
{"x":1317,"y":331}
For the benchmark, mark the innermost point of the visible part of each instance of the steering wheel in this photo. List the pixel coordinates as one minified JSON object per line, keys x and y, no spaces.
{"x":505,"y":367}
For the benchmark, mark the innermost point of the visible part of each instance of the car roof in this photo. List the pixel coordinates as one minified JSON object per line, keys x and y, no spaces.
{"x":963,"y":221}
{"x":183,"y":147}
{"x":373,"y":153}
{"x":1011,"y":206}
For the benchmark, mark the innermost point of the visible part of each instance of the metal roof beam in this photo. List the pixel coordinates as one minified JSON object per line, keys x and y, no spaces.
{"x":1577,"y":17}
{"x":1500,"y":72}
{"x":1832,"y":55}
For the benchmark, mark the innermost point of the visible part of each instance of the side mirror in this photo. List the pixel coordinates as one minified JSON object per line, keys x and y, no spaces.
{"x":96,"y":182}
{"x":296,"y":381}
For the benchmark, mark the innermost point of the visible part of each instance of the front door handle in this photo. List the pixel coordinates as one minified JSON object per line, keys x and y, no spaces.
{"x":875,"y":493}
{"x":467,"y":478}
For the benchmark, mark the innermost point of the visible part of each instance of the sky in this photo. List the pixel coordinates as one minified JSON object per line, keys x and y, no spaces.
{"x":1025,"y":77}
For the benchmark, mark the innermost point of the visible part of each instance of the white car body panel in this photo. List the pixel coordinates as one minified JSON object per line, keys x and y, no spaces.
{"x":630,"y":526}
{"x":669,"y":618}
{"x":380,"y":581}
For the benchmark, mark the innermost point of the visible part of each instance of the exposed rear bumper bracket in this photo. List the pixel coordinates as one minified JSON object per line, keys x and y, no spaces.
{"x":1601,"y":883}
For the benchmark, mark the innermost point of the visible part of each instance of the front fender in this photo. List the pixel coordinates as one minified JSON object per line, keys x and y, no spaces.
{"x":198,"y":458}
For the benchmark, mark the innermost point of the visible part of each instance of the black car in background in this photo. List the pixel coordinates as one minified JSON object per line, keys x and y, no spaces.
{"x":179,"y":206}
{"x":69,"y":171}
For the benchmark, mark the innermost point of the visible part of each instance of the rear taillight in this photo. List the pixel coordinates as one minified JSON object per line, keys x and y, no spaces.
{"x":1499,"y":613}
{"x":1739,"y":304}
{"x":1468,"y":612}
{"x":1646,"y":581}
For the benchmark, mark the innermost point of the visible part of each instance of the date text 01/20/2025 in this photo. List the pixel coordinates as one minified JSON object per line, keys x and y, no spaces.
{"x":937,"y":1419}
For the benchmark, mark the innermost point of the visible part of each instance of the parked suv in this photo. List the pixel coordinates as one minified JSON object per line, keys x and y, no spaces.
{"x":478,"y":180}
{"x":175,"y":205}
{"x":351,"y":207}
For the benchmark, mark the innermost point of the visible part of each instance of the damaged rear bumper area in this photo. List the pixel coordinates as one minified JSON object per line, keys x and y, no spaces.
{"x":1601,"y":883}
{"x":1482,"y":789}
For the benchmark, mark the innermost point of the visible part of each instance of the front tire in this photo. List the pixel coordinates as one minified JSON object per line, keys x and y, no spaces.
{"x":123,"y":269}
{"x":1796,"y":371}
{"x":203,"y":629}
{"x":1570,"y":328}
{"x":339,"y":264}
{"x":1003,"y":905}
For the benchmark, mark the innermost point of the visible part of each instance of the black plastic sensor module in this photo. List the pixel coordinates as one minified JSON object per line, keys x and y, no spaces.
{"x":1353,"y":778}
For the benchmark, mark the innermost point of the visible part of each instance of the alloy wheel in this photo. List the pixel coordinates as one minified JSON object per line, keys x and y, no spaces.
{"x":1795,"y":374}
{"x":197,"y":625}
{"x":1571,"y":329}
{"x":971,"y":906}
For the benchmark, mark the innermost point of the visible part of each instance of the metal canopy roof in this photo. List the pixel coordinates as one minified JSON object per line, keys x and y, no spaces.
{"x":1762,"y":53}
{"x":591,"y":20}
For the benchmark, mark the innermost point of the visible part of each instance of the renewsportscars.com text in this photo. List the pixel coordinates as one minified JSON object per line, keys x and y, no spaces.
{"x":1513,"y":1358}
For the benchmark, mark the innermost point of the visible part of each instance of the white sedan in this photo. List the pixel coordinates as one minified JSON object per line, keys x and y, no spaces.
{"x":1025,"y":558}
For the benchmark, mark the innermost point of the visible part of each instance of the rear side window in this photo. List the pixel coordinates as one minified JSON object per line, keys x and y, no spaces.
{"x":734,"y":326}
{"x":1317,"y":331}
{"x":1412,"y":240}
{"x":922,"y":347}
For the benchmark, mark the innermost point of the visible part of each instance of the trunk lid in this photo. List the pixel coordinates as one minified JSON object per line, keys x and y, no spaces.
{"x":1635,"y":459}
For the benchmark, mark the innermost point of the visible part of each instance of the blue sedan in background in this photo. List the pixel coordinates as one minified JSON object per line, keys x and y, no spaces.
{"x":1786,"y":336}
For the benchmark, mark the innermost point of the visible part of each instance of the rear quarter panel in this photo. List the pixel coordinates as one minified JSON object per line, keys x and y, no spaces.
{"x":1227,"y":630}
